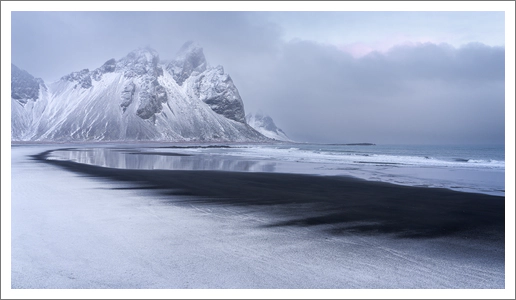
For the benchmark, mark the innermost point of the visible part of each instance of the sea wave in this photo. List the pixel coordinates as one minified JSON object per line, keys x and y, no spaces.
{"x":340,"y":157}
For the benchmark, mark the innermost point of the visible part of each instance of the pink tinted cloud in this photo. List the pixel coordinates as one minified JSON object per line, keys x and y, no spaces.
{"x":357,"y":50}
{"x":360,"y":49}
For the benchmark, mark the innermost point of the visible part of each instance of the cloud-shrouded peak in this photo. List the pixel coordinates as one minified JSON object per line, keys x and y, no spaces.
{"x":140,"y":62}
{"x":188,"y":48}
{"x":143,"y":53}
{"x":189,"y":60}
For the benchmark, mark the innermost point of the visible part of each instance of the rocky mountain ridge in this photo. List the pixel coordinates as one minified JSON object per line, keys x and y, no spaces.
{"x":134,"y":98}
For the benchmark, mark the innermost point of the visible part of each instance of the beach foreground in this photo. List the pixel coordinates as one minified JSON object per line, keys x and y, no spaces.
{"x":83,"y":226}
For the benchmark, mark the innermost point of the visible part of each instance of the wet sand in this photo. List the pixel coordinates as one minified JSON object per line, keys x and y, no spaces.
{"x":344,"y":204}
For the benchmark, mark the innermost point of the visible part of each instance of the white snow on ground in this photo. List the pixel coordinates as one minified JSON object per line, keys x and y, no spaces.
{"x":74,"y":232}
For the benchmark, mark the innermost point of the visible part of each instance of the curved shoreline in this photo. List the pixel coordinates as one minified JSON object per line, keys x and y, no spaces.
{"x":346,"y":204}
{"x":81,"y":226}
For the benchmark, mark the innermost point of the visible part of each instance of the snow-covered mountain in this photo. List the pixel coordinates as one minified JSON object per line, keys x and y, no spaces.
{"x":134,"y":98}
{"x":265,"y":125}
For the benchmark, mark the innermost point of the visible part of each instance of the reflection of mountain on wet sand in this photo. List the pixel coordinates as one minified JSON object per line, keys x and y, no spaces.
{"x":124,"y":159}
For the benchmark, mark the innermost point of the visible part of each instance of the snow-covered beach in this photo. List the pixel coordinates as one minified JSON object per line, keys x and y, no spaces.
{"x":167,"y":152}
{"x":90,"y":227}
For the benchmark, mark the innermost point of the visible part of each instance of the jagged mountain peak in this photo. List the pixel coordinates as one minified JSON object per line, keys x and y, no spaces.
{"x":216,"y":89}
{"x":81,"y":78}
{"x":108,"y":67}
{"x":146,"y":54}
{"x":189,"y":47}
{"x":141,"y":61}
{"x":138,"y":100}
{"x":189,"y":61}
{"x":24,"y":86}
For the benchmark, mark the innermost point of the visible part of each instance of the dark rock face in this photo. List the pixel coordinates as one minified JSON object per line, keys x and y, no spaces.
{"x":152,"y":96}
{"x":189,"y":60}
{"x":24,"y":87}
{"x":142,"y":65}
{"x":216,"y":89}
{"x":127,"y":95}
{"x":108,"y":67}
{"x":82,"y":78}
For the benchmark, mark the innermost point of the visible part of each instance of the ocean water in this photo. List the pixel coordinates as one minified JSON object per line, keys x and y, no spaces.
{"x":478,"y":168}
{"x":478,"y":156}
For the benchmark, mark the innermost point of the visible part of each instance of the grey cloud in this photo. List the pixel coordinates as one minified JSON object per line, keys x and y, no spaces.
{"x":52,"y":44}
{"x":427,"y":93}
{"x":472,"y":61}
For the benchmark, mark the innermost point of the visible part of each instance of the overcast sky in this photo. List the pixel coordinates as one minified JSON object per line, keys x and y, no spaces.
{"x":380,"y":77}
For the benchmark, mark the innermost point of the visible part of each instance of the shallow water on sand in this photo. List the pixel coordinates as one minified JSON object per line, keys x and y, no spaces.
{"x":478,"y":177}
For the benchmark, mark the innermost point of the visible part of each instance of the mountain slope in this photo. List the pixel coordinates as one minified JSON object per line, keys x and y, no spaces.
{"x":28,"y":98}
{"x":266,"y":126}
{"x":134,"y":98}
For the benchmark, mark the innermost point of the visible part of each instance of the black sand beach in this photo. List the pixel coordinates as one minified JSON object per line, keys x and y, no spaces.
{"x":342,"y":205}
{"x":79,"y":226}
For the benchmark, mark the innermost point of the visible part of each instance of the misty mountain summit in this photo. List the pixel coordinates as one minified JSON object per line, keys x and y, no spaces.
{"x":134,"y":98}
{"x":189,"y":59}
{"x":266,"y":126}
